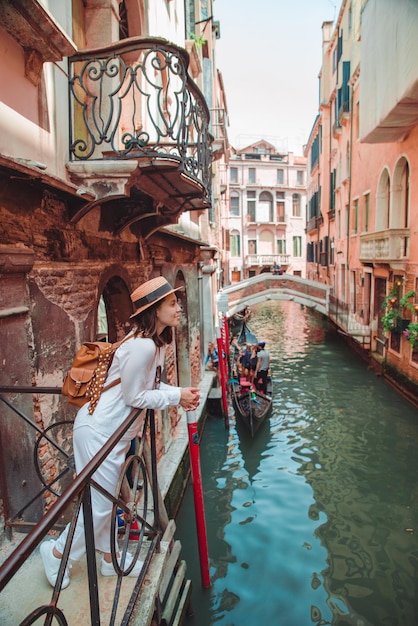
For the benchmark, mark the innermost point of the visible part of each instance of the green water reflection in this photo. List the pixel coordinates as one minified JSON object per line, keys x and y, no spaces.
{"x":315,"y":521}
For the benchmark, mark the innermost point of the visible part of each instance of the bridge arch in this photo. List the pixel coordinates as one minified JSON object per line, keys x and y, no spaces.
{"x":269,"y":286}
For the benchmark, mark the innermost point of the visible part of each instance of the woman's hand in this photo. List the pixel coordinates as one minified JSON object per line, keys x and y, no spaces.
{"x":190,"y":398}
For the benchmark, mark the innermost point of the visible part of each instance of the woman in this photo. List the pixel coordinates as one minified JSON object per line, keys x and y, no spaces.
{"x":135,"y":363}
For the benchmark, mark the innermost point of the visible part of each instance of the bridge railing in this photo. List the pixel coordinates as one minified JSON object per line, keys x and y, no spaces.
{"x":269,"y":286}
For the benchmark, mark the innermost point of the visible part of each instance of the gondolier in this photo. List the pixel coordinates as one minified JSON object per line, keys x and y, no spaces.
{"x":262,"y":368}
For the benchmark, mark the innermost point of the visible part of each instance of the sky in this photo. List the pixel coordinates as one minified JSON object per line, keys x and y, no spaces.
{"x":270,"y":55}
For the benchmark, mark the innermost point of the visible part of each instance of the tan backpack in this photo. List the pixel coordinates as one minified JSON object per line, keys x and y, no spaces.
{"x":84,"y":382}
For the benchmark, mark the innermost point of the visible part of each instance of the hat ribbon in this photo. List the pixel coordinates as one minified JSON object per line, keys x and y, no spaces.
{"x":154,"y":295}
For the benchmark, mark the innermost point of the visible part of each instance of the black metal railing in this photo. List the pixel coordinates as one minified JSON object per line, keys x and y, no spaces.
{"x":141,"y":467}
{"x":135,"y":99}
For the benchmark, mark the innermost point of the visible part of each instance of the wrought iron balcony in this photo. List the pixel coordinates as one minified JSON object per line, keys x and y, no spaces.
{"x":385,"y":245}
{"x":138,"y":123}
{"x":314,"y":223}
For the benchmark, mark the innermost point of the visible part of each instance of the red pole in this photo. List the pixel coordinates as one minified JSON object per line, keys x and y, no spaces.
{"x":198,"y":498}
{"x":223,"y":375}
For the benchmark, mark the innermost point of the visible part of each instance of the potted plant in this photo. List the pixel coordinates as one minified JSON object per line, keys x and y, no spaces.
{"x":411,"y":333}
{"x":393,"y":320}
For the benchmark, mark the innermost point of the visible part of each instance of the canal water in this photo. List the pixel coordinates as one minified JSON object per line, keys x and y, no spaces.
{"x":315,"y":521}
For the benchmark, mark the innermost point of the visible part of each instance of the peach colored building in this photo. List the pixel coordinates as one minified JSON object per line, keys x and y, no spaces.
{"x":362,"y":216}
{"x":266,"y":212}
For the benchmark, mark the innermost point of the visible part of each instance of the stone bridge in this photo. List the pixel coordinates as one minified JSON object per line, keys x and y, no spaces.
{"x":267,"y":286}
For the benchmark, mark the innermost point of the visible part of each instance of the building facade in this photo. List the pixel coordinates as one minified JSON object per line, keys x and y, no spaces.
{"x":266,"y":211}
{"x":109,"y":177}
{"x":362,"y":184}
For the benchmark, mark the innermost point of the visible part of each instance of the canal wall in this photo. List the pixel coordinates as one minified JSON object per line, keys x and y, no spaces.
{"x":406,"y":387}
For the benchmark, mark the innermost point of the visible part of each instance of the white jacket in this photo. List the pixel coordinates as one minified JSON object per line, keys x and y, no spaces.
{"x":135,"y":363}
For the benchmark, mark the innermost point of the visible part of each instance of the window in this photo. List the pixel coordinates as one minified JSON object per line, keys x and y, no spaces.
{"x":383,"y":201}
{"x":353,"y":281}
{"x":297,"y":246}
{"x":300,"y":177}
{"x":346,"y":225}
{"x":235,"y":242}
{"x":233,"y":175}
{"x":281,"y":246}
{"x":366,"y":212}
{"x":280,"y":211}
{"x":234,"y":209}
{"x":399,"y":217}
{"x":251,"y":175}
{"x":354,"y":218}
{"x":357,"y":121}
{"x":296,"y":205}
{"x":251,"y":203}
{"x":265,"y":207}
{"x":280,"y":177}
{"x":252,"y":246}
{"x":332,"y":185}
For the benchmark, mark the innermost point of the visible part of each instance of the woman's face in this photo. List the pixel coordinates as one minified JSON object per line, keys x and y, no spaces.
{"x":168,"y":313}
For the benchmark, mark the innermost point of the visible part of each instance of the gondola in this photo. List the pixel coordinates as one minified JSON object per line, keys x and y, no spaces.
{"x":250,"y":405}
{"x":237,"y":320}
{"x":246,"y":336}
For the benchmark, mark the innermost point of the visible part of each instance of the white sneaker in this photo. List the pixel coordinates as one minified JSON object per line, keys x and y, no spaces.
{"x":52,"y":564}
{"x":107,"y":569}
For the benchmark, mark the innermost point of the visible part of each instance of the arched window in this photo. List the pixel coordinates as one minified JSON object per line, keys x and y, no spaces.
{"x":399,"y":217}
{"x":113,"y":309}
{"x":265,"y":207}
{"x":296,"y":205}
{"x":235,"y":243}
{"x":383,"y":201}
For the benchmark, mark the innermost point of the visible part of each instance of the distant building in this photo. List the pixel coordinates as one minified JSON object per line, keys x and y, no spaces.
{"x":266,"y":211}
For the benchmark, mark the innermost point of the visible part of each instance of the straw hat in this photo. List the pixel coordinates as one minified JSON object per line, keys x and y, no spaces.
{"x":150,"y":292}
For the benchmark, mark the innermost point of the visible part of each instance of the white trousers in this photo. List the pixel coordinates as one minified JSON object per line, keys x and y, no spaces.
{"x":87,"y":442}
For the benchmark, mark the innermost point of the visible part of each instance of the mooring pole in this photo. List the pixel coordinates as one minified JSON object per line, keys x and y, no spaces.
{"x":226,"y":335}
{"x":199,"y":507}
{"x":223,"y":375}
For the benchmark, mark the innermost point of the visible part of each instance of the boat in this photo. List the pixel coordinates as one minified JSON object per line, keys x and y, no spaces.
{"x":237,"y":320}
{"x":251,"y":406}
{"x":246,"y":336}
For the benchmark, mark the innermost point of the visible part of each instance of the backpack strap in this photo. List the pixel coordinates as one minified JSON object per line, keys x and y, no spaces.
{"x":112,"y":384}
{"x":115,"y":346}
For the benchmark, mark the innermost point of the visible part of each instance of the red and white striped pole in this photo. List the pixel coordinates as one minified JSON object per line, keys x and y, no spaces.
{"x":223,"y":375}
{"x":199,"y":506}
{"x":226,"y":335}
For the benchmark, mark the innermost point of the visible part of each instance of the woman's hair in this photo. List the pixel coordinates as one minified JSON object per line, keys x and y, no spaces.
{"x":145,"y":324}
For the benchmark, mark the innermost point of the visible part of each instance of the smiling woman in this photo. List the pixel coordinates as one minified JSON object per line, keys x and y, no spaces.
{"x":134,"y":375}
